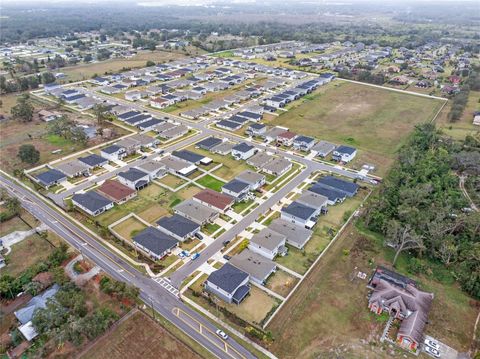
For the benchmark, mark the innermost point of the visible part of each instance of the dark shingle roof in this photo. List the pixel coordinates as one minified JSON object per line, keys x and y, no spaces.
{"x":243,"y":147}
{"x":155,"y":240}
{"x":299,"y":210}
{"x":229,"y":124}
{"x":50,"y":176}
{"x":111,"y":149}
{"x":150,"y":123}
{"x":339,"y":184}
{"x":91,"y":200}
{"x":227,"y":278}
{"x":250,"y":115}
{"x":345,"y":149}
{"x":332,"y":194}
{"x":208,"y":143}
{"x":235,"y":186}
{"x":93,"y":160}
{"x":132,"y":174}
{"x":128,"y":114}
{"x":177,"y":224}
{"x":188,"y":156}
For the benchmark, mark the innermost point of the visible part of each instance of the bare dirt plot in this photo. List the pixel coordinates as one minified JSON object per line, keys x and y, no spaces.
{"x":374,"y":120}
{"x":129,"y":228}
{"x":281,"y":282}
{"x":139,"y":337}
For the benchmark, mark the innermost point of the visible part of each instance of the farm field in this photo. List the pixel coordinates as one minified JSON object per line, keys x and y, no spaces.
{"x":139,"y":336}
{"x":87,"y":71}
{"x":329,"y":309}
{"x":374,"y":120}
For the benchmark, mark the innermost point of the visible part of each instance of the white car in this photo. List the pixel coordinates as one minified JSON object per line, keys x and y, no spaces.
{"x":432,"y":344}
{"x":432,"y":351}
{"x":221,"y":334}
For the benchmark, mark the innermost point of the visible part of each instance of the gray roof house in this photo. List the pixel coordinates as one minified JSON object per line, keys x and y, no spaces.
{"x":154,"y":242}
{"x":314,"y":200}
{"x":257,"y":266}
{"x":300,"y":214}
{"x":208,"y":143}
{"x":113,"y":152}
{"x":277,"y":167}
{"x":331,"y":182}
{"x":260,"y":159}
{"x":334,"y":196}
{"x":154,"y":169}
{"x":196,"y":211}
{"x":134,"y":178}
{"x":237,"y":189}
{"x":303,"y":143}
{"x":92,"y":202}
{"x":323,"y":148}
{"x":178,"y":227}
{"x":296,"y":236}
{"x":268,"y":243}
{"x":228,"y":283}
{"x":25,"y":314}
{"x":254,"y":179}
{"x":73,"y":168}
{"x":50,"y":177}
{"x":93,"y":160}
{"x":243,"y":151}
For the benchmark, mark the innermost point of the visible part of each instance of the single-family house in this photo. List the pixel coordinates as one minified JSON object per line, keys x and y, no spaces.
{"x":93,"y":160}
{"x":228,"y":283}
{"x":116,"y":191}
{"x":286,"y":138}
{"x":73,"y":168}
{"x":176,"y":165}
{"x":334,"y":196}
{"x":268,"y":243}
{"x":134,"y":178}
{"x":154,"y":169}
{"x":331,"y":182}
{"x":344,"y":154}
{"x":218,"y":201}
{"x":243,"y":151}
{"x":278,"y":166}
{"x":50,"y":178}
{"x":208,"y":143}
{"x":296,"y":236}
{"x":256,"y":129}
{"x":236,"y":189}
{"x":314,"y":200}
{"x":303,"y":143}
{"x":253,"y":179}
{"x":154,"y":243}
{"x":196,"y":212}
{"x":178,"y":227}
{"x":229,"y":125}
{"x":92,"y":202}
{"x":113,"y":152}
{"x":299,"y":214}
{"x":258,"y":267}
{"x":323,"y":148}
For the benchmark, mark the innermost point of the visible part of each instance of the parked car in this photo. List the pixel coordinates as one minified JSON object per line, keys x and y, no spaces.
{"x":227,"y":257}
{"x":199,"y":236}
{"x":432,"y":344}
{"x":432,"y":351}
{"x":195,"y":256}
{"x":225,"y":243}
{"x":222,"y":334}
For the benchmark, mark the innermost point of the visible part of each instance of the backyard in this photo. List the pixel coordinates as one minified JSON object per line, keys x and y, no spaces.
{"x":129,"y":228}
{"x":374,"y":120}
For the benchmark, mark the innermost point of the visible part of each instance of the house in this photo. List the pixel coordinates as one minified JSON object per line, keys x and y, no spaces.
{"x":314,"y":200}
{"x":73,"y":168}
{"x":149,"y":125}
{"x":174,"y":132}
{"x":154,"y":243}
{"x":153,"y":168}
{"x":176,"y":165}
{"x":243,"y":151}
{"x":238,"y":119}
{"x":159,"y":102}
{"x":92,"y":203}
{"x":210,"y":198}
{"x":50,"y":178}
{"x":331,"y":182}
{"x":223,"y":148}
{"x":228,"y":125}
{"x":260,"y":159}
{"x":344,"y":153}
{"x":208,"y":143}
{"x":255,"y":265}
{"x":93,"y":161}
{"x":276,"y":102}
{"x":236,"y":189}
{"x":268,"y":243}
{"x":134,"y":95}
{"x":303,"y":143}
{"x":178,"y":227}
{"x":228,"y":283}
{"x":138,"y":119}
{"x":278,"y":166}
{"x":192,"y":157}
{"x":134,"y":178}
{"x":299,"y":214}
{"x":126,"y":115}
{"x":116,"y":191}
{"x":407,"y":304}
{"x":323,"y":148}
{"x":253,"y":179}
{"x":256,"y":129}
{"x":196,"y":212}
{"x":334,"y":196}
{"x":251,"y":116}
{"x":48,"y":116}
{"x":286,"y":138}
{"x":113,"y":152}
{"x":296,"y":236}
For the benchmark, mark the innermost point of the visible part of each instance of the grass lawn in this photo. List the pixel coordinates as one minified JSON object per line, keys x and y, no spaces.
{"x":138,"y":336}
{"x":211,"y":182}
{"x":330,"y":310}
{"x":210,"y":228}
{"x":300,"y":261}
{"x":374,"y":120}
{"x":239,"y":207}
{"x":16,"y":224}
{"x":172,"y":181}
{"x":129,"y":228}
{"x":281,"y":282}
{"x":28,"y":252}
{"x":230,"y":167}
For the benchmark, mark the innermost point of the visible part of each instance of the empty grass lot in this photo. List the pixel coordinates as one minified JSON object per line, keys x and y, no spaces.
{"x":129,"y":228}
{"x":300,"y":261}
{"x":374,"y":120}
{"x":171,"y":181}
{"x":211,"y":182}
{"x":139,"y":336}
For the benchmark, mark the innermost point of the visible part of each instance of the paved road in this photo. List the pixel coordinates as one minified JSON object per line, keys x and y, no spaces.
{"x":154,"y":294}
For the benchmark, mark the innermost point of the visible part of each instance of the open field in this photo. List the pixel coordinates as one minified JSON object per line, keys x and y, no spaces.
{"x":329,"y":310}
{"x":139,"y":336}
{"x":374,"y":120}
{"x":28,"y":252}
{"x":87,"y":71}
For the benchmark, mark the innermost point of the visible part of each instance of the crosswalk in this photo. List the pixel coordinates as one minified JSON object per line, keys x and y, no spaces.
{"x":165,"y":283}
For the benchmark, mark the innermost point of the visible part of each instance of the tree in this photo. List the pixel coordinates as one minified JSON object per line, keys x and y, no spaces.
{"x":150,"y":63}
{"x":401,"y":238}
{"x":101,"y":113}
{"x":13,"y":205}
{"x":23,"y":110}
{"x":48,"y":77}
{"x":29,"y":154}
